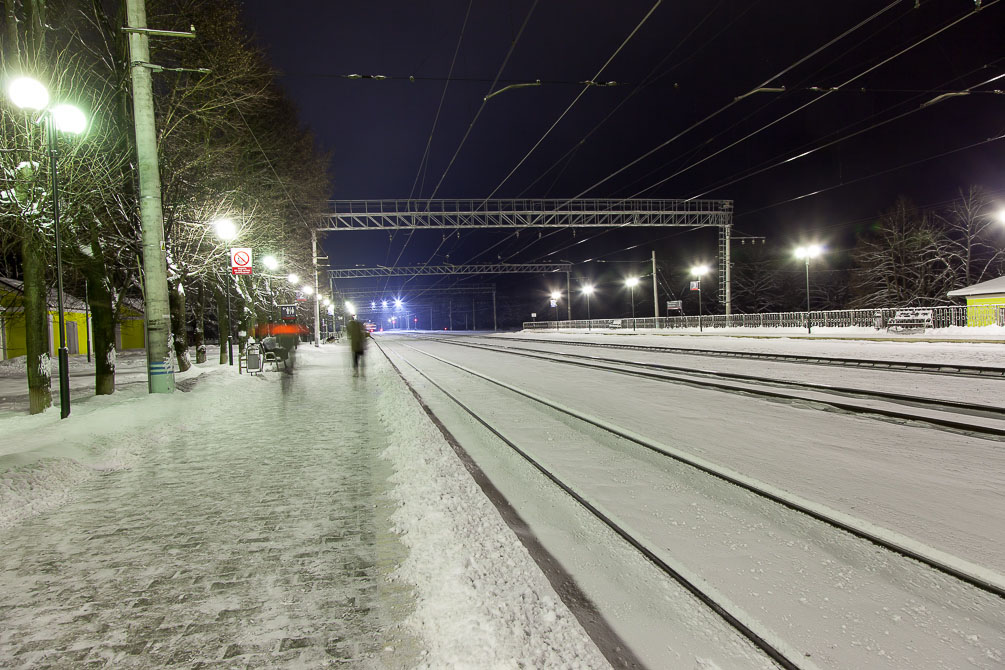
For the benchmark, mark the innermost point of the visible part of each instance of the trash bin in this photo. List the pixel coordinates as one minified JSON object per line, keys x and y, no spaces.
{"x":256,"y":358}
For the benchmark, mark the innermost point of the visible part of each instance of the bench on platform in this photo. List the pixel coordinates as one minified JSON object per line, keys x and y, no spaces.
{"x":911,"y":320}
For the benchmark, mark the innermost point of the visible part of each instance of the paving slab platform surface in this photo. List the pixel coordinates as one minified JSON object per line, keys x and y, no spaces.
{"x":254,"y":535}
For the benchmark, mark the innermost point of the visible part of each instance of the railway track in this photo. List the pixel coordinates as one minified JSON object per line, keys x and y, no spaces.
{"x":982,"y":371}
{"x":984,"y":420}
{"x":764,"y":639}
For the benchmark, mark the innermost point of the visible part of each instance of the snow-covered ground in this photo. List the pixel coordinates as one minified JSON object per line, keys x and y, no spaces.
{"x":889,"y":349}
{"x":951,"y":333}
{"x":294,"y":521}
{"x":301,"y":520}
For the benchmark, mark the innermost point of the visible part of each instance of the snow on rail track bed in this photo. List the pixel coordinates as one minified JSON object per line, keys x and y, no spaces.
{"x":984,"y":390}
{"x":941,"y":488}
{"x":828,"y":595}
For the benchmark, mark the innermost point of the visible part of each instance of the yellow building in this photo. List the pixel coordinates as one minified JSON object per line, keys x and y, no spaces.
{"x":985,"y":302}
{"x":129,"y":332}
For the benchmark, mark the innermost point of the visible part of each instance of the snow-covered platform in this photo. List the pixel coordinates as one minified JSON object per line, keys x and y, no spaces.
{"x":304,"y":520}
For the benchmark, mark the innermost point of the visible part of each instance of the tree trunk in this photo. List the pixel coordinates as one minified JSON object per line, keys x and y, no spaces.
{"x":99,"y":298}
{"x":199,"y":338}
{"x":36,"y":324}
{"x":223,"y":321}
{"x":176,"y":297}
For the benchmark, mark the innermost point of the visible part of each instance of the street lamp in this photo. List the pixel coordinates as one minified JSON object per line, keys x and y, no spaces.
{"x":699,"y":271}
{"x":30,"y":94}
{"x":587,"y":290}
{"x":270,"y":262}
{"x":227,"y":231}
{"x":555,"y":297}
{"x":293,"y":278}
{"x":806,"y":253}
{"x":631,"y":283}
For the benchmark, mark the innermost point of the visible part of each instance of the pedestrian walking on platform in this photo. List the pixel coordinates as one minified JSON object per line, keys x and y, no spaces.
{"x":358,"y":334}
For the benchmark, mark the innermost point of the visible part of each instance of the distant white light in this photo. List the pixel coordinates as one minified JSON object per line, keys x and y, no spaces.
{"x":293,"y":278}
{"x":397,"y":303}
{"x":270,"y":262}
{"x":699,"y":270}
{"x":383,"y":303}
{"x":632,"y":282}
{"x":373,"y":305}
{"x":28,"y":93}
{"x":556,"y":295}
{"x":587,"y":289}
{"x":307,"y":289}
{"x":349,"y":308}
{"x":810,"y":251}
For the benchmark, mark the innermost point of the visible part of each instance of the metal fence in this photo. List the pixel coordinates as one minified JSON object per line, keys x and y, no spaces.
{"x":878,"y":319}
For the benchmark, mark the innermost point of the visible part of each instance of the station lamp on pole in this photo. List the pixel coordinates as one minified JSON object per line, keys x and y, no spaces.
{"x":699,"y":271}
{"x":555,"y":297}
{"x":806,"y":253}
{"x":30,"y":94}
{"x":227,"y":231}
{"x":587,"y":290}
{"x":270,"y":262}
{"x":631,"y":283}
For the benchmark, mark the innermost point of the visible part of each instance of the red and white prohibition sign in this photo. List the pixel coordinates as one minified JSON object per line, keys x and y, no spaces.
{"x":240,"y":260}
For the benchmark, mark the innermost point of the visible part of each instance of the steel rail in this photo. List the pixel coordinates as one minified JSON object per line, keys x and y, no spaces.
{"x":982,"y":371}
{"x":755,"y":638}
{"x":932,"y":403}
{"x":971,"y":574}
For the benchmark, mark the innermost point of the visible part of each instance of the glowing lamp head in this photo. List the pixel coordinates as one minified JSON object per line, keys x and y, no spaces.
{"x":270,"y":262}
{"x":383,"y":303}
{"x":225,"y":229}
{"x":28,"y":93}
{"x":632,"y":282}
{"x":350,"y":309}
{"x":69,"y":119}
{"x":307,"y":289}
{"x":587,"y":289}
{"x":397,"y":303}
{"x":809,"y":251}
{"x":556,"y":295}
{"x":293,"y":278}
{"x":699,"y":270}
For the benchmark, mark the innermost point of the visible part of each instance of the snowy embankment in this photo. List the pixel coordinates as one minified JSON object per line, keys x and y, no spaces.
{"x":950,"y":333}
{"x":480,"y":595}
{"x":886,"y":349}
{"x":43,"y":458}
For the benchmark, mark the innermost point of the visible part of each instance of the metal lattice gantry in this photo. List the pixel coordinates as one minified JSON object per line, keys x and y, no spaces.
{"x":448,"y":269}
{"x":476,"y":214}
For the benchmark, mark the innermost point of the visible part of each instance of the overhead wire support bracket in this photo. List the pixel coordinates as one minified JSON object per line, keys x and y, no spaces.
{"x":762,"y":89}
{"x":510,"y":87}
{"x":151,"y":32}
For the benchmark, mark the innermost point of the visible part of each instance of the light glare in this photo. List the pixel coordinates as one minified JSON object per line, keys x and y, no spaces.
{"x":28,"y":93}
{"x":270,"y":262}
{"x":293,"y":278}
{"x":699,"y":270}
{"x":631,"y":282}
{"x":69,"y":119}
{"x":225,"y":229}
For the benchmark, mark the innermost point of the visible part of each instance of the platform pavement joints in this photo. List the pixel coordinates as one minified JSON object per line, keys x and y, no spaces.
{"x":253,"y":535}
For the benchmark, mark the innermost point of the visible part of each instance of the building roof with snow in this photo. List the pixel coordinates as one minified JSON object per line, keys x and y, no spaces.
{"x":989,"y":287}
{"x":16,"y":287}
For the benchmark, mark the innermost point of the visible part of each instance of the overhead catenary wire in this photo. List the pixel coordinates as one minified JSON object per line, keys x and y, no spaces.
{"x":803,"y":153}
{"x":823,"y":96}
{"x":730,"y":104}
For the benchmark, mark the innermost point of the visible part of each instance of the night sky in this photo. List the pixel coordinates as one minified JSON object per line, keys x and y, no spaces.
{"x":686,"y":62}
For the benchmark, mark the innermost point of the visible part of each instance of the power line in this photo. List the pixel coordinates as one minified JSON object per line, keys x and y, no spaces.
{"x":823,"y":96}
{"x":728,"y":105}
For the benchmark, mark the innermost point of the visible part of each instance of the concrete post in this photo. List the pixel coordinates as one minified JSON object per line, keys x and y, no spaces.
{"x":160,"y":354}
